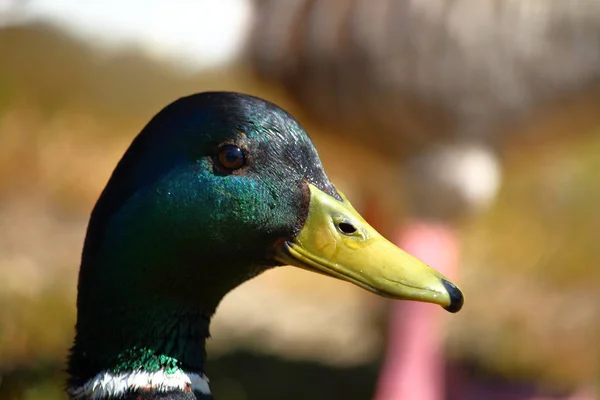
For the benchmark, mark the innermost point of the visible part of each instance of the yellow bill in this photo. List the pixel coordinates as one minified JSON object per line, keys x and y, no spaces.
{"x":336,"y":241}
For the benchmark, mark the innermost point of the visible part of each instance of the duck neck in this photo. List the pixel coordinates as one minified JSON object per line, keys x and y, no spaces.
{"x":147,"y":291}
{"x":136,"y":337}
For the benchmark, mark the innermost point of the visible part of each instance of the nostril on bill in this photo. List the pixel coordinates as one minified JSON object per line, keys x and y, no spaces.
{"x":347,"y":228}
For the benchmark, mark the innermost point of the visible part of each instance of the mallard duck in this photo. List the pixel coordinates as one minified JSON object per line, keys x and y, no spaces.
{"x":217,"y":188}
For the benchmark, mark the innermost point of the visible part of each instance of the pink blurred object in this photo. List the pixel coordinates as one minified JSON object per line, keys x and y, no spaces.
{"x":414,"y":365}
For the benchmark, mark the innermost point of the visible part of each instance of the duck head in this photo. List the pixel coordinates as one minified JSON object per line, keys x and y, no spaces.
{"x":217,"y":188}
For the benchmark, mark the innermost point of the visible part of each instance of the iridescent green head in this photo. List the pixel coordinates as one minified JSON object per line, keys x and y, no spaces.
{"x":217,"y":188}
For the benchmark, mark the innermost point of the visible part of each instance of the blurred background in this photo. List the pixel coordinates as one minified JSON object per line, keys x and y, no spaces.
{"x":468,"y":131}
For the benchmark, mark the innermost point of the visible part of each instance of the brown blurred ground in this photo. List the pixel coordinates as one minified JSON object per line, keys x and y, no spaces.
{"x":531,"y":269}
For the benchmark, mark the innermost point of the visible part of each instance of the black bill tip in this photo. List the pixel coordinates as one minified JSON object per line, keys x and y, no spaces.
{"x":456,"y":297}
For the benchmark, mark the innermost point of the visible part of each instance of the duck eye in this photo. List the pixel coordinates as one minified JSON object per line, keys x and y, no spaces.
{"x":231,"y":157}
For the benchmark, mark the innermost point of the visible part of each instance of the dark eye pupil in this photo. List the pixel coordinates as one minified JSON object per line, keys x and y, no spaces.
{"x":231,"y":157}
